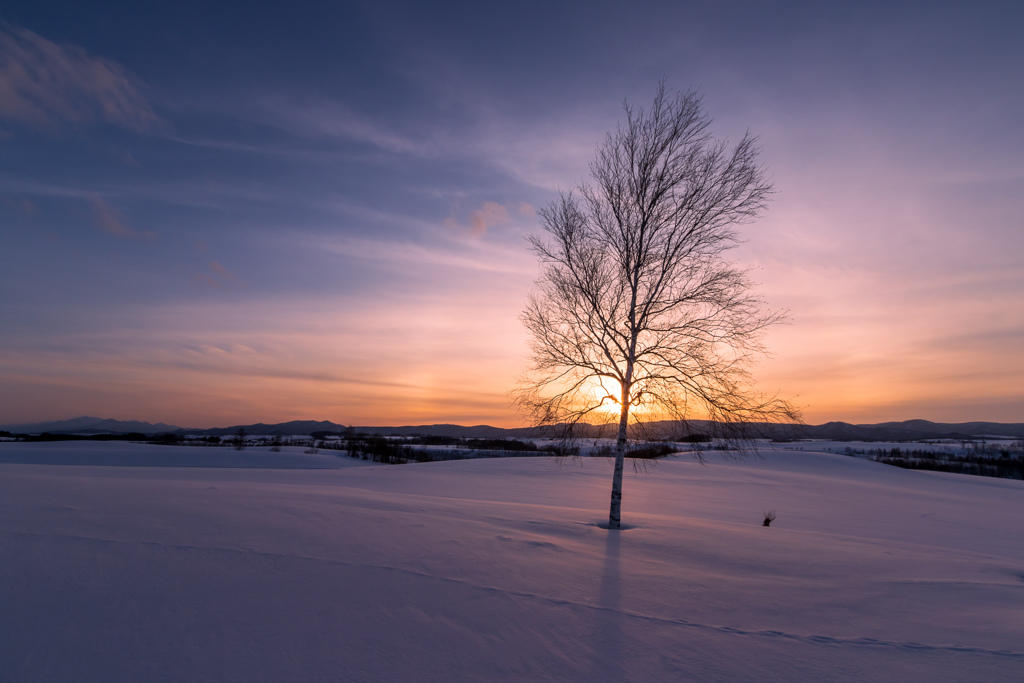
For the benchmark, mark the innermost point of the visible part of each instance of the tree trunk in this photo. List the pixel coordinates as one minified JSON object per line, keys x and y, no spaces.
{"x":615,"y":514}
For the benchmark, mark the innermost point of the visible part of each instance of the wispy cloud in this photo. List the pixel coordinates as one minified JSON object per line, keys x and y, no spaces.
{"x":43,"y":84}
{"x":493,"y":259}
{"x":111,"y":221}
{"x":220,"y":275}
{"x":549,"y":154}
{"x":491,"y":214}
{"x":332,"y":119}
{"x":221,"y":270}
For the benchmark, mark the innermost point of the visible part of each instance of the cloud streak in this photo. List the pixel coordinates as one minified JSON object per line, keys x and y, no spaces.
{"x":43,"y":84}
{"x":490,"y":215}
{"x":402,"y":255}
{"x":111,"y":221}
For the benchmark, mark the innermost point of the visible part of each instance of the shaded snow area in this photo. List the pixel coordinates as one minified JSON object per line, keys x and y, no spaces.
{"x":126,"y":454}
{"x":485,"y":570}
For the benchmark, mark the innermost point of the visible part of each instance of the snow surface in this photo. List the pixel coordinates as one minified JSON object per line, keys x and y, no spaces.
{"x":497,"y":570}
{"x":127,"y":454}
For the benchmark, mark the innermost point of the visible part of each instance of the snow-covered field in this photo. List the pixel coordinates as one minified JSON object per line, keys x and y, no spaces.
{"x":484,"y":570}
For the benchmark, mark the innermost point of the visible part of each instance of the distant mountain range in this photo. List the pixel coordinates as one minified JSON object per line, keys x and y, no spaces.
{"x":908,"y":430}
{"x":838,"y":431}
{"x":91,"y":425}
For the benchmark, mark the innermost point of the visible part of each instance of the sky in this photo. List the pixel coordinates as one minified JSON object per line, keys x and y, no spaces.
{"x":215,"y":213}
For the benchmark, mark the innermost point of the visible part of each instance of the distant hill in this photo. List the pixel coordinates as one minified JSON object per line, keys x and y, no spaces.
{"x":836,"y":431}
{"x":901,"y":431}
{"x":293,"y":428}
{"x":301,"y":427}
{"x":92,"y":425}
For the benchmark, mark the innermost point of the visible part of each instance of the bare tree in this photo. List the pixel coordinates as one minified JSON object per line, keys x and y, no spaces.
{"x":638,"y":314}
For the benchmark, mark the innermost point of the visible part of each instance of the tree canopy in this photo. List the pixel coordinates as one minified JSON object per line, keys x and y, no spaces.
{"x":638,"y":315}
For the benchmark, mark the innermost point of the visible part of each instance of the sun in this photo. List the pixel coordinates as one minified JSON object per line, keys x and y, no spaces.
{"x":598,"y":388}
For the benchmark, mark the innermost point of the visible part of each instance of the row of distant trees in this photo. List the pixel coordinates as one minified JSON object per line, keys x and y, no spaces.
{"x":405,"y":449}
{"x":1005,"y":460}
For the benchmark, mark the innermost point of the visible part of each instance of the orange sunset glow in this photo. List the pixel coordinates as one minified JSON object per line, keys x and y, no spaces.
{"x":193,"y":242}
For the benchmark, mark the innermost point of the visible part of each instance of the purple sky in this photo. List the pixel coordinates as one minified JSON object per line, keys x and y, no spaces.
{"x":263,"y":212}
